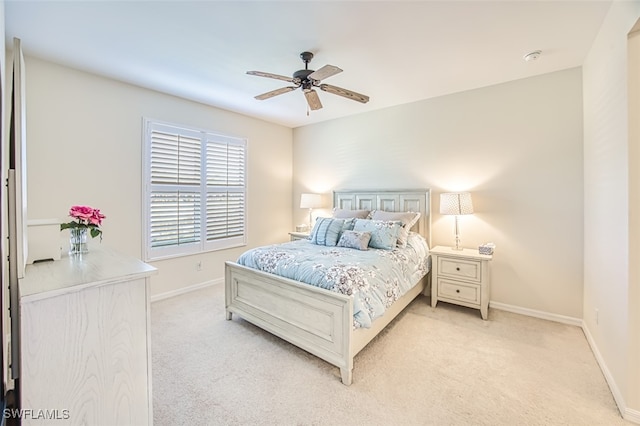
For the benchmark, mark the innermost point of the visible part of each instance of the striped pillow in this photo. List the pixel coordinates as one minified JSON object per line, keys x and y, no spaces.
{"x":326,"y":231}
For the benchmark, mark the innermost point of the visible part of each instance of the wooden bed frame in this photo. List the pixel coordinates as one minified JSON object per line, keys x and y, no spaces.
{"x":314,"y":319}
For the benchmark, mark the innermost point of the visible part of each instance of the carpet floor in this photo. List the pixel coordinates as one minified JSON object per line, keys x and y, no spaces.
{"x":442,"y":366}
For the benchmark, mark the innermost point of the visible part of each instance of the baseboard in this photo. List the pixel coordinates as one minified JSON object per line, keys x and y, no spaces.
{"x":626,"y":413}
{"x":631,"y":415}
{"x":537,"y":314}
{"x":183,"y":290}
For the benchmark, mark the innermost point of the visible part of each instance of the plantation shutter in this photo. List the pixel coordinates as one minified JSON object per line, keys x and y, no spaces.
{"x":195,"y":191}
{"x":175,"y":201}
{"x":225,"y":177}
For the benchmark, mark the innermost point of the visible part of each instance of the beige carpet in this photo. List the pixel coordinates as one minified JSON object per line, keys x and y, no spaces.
{"x":442,"y":366}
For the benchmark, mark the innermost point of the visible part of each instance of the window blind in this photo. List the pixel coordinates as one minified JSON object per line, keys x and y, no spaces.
{"x":195,"y":191}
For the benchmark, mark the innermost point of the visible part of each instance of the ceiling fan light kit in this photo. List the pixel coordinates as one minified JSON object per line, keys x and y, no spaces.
{"x":308,"y":79}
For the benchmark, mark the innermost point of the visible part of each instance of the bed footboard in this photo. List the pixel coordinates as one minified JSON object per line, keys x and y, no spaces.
{"x":314,"y":319}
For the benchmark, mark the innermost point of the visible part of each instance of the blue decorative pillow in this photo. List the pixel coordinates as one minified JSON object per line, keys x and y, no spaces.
{"x":408,"y":219}
{"x":384,"y":234}
{"x":326,"y":231}
{"x":355,"y":239}
{"x":348,"y":224}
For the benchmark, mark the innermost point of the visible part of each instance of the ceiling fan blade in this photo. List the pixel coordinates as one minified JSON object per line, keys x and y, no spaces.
{"x":276,"y":76}
{"x":276,"y":92}
{"x":324,"y":72}
{"x":345,"y":93}
{"x":312,"y":99}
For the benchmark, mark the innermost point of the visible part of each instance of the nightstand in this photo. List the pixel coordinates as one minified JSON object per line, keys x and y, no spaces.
{"x":461,"y":277}
{"x":299,"y":236}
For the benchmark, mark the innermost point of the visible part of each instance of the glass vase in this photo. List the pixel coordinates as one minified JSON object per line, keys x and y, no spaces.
{"x":78,"y":241}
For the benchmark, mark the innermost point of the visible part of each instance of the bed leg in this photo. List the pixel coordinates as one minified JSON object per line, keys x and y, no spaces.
{"x":228,"y":314}
{"x":347,"y":376}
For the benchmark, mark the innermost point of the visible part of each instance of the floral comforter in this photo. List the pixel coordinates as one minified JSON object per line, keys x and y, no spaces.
{"x":376,"y":278}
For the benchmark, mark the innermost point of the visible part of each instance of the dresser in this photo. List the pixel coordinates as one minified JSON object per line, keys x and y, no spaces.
{"x":85,"y":348}
{"x":461,"y":277}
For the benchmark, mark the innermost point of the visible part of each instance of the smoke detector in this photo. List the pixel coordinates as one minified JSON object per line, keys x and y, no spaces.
{"x":532,"y":56}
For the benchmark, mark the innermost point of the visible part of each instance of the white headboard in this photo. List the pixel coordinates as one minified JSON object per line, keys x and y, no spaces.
{"x":410,"y":200}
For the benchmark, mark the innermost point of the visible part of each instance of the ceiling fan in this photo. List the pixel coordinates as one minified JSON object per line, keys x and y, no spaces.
{"x":308,"y":79}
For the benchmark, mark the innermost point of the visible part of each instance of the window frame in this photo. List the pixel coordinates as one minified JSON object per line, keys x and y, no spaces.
{"x":208,"y":139}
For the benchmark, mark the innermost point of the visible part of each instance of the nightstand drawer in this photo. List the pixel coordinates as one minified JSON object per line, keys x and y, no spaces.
{"x":468,"y":270}
{"x":468,"y":293}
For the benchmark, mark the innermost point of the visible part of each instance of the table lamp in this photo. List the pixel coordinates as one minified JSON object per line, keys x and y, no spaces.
{"x":456,"y":203}
{"x":310,"y":201}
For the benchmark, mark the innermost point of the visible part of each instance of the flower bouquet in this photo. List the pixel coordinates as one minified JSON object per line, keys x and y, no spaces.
{"x":86,"y":218}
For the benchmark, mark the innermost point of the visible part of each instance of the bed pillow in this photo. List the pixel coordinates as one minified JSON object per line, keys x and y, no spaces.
{"x":408,"y":219}
{"x":326,"y":231}
{"x":384,"y":233}
{"x":355,"y":239}
{"x":344,"y":213}
{"x":348,"y":224}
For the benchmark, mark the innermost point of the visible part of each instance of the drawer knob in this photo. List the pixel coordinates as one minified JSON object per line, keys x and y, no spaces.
{"x":458,"y":290}
{"x":457,"y":268}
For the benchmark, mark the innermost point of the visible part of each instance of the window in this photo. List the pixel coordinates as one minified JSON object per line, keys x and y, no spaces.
{"x":194,"y":191}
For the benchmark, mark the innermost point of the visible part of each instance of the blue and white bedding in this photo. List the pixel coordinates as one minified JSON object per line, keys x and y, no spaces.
{"x":375,"y":277}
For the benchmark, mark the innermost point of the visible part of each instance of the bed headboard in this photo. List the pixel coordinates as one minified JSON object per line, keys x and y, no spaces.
{"x":411,"y":200}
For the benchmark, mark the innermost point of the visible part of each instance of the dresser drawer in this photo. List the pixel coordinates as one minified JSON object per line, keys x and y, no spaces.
{"x":468,"y":270}
{"x":469,"y":293}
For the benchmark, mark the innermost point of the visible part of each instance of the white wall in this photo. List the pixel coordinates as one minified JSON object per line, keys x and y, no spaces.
{"x":607,"y":259}
{"x":516,"y":146}
{"x":84,"y":147}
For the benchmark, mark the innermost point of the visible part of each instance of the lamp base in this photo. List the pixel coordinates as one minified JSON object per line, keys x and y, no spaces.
{"x":457,"y":231}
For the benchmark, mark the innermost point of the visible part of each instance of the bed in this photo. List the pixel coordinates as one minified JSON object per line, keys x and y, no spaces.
{"x":316,"y":319}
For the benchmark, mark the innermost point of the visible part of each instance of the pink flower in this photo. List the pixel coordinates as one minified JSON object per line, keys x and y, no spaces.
{"x":81,"y":212}
{"x":96,"y":217}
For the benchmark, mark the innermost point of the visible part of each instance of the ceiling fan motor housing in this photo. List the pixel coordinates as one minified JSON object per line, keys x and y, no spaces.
{"x":302,"y":74}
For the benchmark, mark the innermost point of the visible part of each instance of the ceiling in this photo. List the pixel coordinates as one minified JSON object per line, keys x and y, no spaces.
{"x":394,"y":51}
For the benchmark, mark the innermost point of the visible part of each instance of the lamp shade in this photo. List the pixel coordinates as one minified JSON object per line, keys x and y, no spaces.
{"x":310,"y":201}
{"x":456,"y":203}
